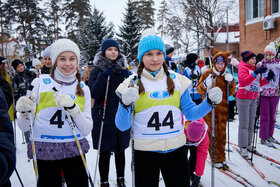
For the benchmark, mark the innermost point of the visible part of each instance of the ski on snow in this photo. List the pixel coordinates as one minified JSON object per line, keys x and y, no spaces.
{"x":234,"y":175}
{"x":255,"y":168}
{"x":260,"y":155}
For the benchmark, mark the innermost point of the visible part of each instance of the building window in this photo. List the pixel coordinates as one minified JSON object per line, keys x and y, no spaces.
{"x":254,"y":9}
{"x":274,"y":6}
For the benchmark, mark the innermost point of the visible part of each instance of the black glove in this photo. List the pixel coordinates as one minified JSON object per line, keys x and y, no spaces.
{"x":270,"y":75}
{"x":173,"y":66}
{"x":109,"y":71}
{"x":261,"y":69}
{"x":195,"y":181}
{"x":194,"y":76}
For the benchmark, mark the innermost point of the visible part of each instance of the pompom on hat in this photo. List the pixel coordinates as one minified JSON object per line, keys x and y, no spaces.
{"x":109,"y":43}
{"x":195,"y":130}
{"x":247,"y":55}
{"x":270,"y":48}
{"x":62,"y":45}
{"x":47,"y":52}
{"x":36,"y":62}
{"x":150,"y":42}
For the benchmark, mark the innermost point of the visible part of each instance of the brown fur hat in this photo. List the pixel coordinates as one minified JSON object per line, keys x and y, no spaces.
{"x":220,"y":53}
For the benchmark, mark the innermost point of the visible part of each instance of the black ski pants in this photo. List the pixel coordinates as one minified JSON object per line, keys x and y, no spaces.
{"x":73,"y":170}
{"x":172,"y":165}
{"x":192,"y":158}
{"x":104,"y":164}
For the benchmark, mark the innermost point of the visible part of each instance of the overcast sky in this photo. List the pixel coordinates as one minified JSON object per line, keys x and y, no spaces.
{"x":114,"y":9}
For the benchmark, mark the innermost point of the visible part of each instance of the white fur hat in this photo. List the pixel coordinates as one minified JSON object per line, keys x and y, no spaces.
{"x":63,"y":45}
{"x":47,"y":51}
{"x":270,"y":48}
{"x":35,"y":62}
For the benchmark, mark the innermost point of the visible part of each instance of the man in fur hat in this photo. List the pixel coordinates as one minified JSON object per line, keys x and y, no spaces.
{"x":220,"y":62}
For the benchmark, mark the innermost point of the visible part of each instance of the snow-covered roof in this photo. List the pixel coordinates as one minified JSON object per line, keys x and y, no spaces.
{"x":233,"y":37}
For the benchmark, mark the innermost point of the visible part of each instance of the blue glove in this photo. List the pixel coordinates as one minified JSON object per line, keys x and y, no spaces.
{"x":109,"y":71}
{"x":261,"y":69}
{"x":125,"y":73}
{"x":270,"y":75}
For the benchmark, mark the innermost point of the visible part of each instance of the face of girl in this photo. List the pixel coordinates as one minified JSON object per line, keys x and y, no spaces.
{"x":252,"y":61}
{"x":20,"y":68}
{"x":67,"y":63}
{"x":37,"y":67}
{"x":112,"y":53}
{"x":153,"y":60}
{"x":220,"y":66}
{"x":48,"y":62}
{"x":6,"y":66}
{"x":268,"y":56}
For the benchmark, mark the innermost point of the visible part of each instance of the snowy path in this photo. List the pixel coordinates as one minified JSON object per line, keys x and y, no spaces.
{"x":236,"y":163}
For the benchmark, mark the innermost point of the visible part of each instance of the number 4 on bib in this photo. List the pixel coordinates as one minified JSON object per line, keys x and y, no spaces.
{"x":154,"y":121}
{"x":57,"y":119}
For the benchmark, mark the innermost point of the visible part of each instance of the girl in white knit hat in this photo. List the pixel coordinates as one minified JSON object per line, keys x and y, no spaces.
{"x":269,"y":95}
{"x":53,"y":97}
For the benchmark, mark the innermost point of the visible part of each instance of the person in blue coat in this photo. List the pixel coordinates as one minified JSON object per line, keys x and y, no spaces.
{"x":7,"y":149}
{"x":161,"y":97}
{"x":193,"y":72}
{"x":109,"y":62}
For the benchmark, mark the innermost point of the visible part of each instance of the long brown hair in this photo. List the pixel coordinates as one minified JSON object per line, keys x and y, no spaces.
{"x":79,"y":90}
{"x":169,"y":81}
{"x":3,"y":72}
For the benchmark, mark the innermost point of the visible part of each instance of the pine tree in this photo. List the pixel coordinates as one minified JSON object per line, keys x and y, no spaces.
{"x":94,"y":31}
{"x":76,"y":12}
{"x":54,"y":18}
{"x":27,"y":15}
{"x":130,"y":32}
{"x":163,"y":17}
{"x":145,"y":13}
{"x":4,"y":26}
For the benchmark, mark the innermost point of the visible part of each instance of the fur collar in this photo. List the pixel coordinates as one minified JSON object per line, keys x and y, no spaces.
{"x":103,"y":63}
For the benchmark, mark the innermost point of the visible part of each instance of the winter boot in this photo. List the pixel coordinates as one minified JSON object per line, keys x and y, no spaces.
{"x":249,"y":148}
{"x":219,"y":165}
{"x":225,"y":166}
{"x":266,"y":142}
{"x":121,"y":182}
{"x":272,"y":140}
{"x":105,"y":184}
{"x":244,"y":152}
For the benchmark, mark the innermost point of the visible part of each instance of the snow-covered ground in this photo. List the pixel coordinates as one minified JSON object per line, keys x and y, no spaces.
{"x":236,"y":163}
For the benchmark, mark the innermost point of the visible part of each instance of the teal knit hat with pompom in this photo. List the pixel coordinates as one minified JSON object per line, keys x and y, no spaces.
{"x":148,"y":43}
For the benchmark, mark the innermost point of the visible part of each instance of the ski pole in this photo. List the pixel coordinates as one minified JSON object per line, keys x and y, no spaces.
{"x":77,"y":142}
{"x":213,"y":140}
{"x":132,"y":137}
{"x":101,"y":128}
{"x":79,"y":146}
{"x":29,"y":94}
{"x":254,"y":146}
{"x":19,"y":177}
{"x":228,"y":120}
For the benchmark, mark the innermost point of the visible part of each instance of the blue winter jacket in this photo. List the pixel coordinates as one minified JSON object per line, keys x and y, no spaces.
{"x":190,"y":110}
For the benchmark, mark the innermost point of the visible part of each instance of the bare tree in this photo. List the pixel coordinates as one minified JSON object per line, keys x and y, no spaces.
{"x":201,"y":19}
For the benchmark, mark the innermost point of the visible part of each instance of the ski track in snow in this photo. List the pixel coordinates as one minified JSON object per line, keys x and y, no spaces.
{"x":236,"y":163}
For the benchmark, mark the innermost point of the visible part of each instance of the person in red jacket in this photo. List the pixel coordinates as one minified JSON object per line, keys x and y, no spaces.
{"x":197,"y":143}
{"x":249,"y":85}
